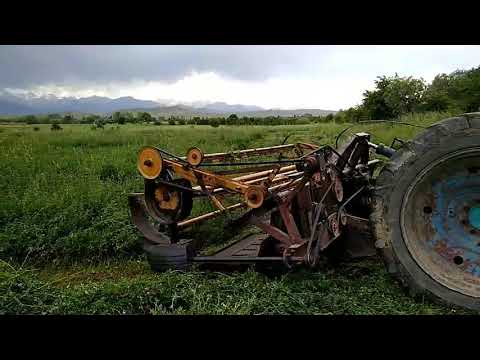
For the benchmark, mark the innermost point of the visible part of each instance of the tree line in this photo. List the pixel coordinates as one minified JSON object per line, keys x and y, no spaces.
{"x":394,"y":96}
{"x":121,"y":118}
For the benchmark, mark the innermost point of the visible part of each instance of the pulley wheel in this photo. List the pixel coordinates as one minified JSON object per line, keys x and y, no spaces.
{"x":168,"y":204}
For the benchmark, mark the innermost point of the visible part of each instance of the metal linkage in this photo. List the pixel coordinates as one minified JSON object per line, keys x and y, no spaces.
{"x":296,"y":202}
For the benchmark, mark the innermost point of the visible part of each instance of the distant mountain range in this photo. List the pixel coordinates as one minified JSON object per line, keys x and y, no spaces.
{"x":11,"y":104}
{"x":27,"y":104}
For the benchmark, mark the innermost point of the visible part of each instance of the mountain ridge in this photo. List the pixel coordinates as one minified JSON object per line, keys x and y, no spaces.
{"x":29,"y":104}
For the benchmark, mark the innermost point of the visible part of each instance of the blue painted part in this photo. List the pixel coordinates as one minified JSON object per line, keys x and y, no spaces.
{"x":451,"y":195}
{"x":474,"y":217}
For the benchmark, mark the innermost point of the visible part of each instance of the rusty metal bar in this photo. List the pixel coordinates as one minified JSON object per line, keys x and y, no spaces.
{"x":289,"y":223}
{"x":309,"y":146}
{"x":264,"y":173}
{"x":277,"y":178}
{"x":272,"y":230}
{"x":209,"y":179}
{"x":283,"y":171}
{"x":285,"y":186}
{"x":208,"y":216}
{"x":214,"y":157}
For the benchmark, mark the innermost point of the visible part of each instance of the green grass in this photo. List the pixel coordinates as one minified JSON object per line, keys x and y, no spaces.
{"x":64,"y":215}
{"x":129,"y":287}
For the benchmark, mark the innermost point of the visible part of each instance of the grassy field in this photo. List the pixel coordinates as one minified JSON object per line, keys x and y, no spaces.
{"x":67,"y":244}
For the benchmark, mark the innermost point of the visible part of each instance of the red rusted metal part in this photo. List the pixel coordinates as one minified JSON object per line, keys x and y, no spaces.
{"x":272,"y":230}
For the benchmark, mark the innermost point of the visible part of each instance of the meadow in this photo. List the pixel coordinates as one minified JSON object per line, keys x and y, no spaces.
{"x":67,"y":244}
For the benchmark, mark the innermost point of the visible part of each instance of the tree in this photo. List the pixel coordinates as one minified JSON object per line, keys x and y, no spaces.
{"x":99,"y":123}
{"x":116,"y":116}
{"x":68,"y":119}
{"x":145,"y":117}
{"x":464,"y":89}
{"x":232,"y":119}
{"x":404,"y":95}
{"x":392,"y":97}
{"x":30,"y":119}
{"x":355,"y":114}
{"x":53,"y":116}
{"x":55,"y":126}
{"x":214,"y":123}
{"x":436,"y":97}
{"x":90,"y":119}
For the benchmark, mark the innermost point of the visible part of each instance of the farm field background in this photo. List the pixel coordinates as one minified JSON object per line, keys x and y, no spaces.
{"x":67,"y":244}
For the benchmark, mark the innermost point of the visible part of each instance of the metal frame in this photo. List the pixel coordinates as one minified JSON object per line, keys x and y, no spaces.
{"x":309,"y":203}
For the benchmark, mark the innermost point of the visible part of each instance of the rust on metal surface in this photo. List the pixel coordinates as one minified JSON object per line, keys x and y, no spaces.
{"x":194,"y":156}
{"x":149,"y":162}
{"x":299,"y":208}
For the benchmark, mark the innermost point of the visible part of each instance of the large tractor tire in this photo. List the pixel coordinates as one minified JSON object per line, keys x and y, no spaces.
{"x":426,"y":216}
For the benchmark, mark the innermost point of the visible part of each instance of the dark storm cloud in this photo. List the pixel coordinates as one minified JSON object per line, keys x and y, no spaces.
{"x":25,"y":66}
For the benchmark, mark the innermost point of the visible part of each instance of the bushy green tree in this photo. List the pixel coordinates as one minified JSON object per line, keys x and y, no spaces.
{"x":437,"y":97}
{"x":55,"y":126}
{"x":68,"y":119}
{"x":31,"y":119}
{"x":232,"y":119}
{"x":145,"y":117}
{"x":464,"y":89}
{"x":214,"y":123}
{"x":116,"y":116}
{"x":99,"y":123}
{"x":392,"y":97}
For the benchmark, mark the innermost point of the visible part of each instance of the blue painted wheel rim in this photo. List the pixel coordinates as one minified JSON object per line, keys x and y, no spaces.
{"x":440,"y":221}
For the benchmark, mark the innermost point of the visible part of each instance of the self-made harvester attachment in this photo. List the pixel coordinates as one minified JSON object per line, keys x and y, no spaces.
{"x":421,"y":213}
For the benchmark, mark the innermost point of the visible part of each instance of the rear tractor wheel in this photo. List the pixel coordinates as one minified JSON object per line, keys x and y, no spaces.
{"x":426,"y":215}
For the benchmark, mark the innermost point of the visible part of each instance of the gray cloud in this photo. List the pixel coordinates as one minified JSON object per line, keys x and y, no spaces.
{"x":25,"y":66}
{"x":329,"y":77}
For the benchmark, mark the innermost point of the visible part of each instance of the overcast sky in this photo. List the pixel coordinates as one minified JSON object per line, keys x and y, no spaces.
{"x":325,"y":77}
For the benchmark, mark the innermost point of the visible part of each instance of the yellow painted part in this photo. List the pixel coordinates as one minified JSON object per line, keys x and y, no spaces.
{"x":149,"y":163}
{"x":168,"y":200}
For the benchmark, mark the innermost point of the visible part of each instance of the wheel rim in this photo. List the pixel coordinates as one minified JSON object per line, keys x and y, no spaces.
{"x":440,"y":221}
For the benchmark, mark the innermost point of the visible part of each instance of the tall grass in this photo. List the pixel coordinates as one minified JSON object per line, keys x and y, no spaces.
{"x":64,"y":193}
{"x":64,"y":202}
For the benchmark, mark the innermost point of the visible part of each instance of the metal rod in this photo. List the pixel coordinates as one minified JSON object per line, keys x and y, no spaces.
{"x":254,"y":163}
{"x":248,"y":152}
{"x":209,"y":215}
{"x":263,"y":173}
{"x":282,"y":171}
{"x":277,"y":178}
{"x":173,"y":155}
{"x":245,"y":170}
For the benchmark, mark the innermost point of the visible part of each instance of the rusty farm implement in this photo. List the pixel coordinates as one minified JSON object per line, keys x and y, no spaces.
{"x":421,"y":213}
